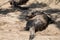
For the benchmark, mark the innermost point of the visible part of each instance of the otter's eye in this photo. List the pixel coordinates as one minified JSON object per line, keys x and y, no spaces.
{"x":32,"y":13}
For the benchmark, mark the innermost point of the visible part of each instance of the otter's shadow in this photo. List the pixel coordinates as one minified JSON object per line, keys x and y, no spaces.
{"x":38,"y":5}
{"x":9,"y":10}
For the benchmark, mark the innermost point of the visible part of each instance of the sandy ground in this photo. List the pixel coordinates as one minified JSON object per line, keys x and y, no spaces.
{"x":12,"y":28}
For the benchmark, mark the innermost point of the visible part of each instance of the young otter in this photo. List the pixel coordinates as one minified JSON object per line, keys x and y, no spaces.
{"x":35,"y":22}
{"x":18,"y":3}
